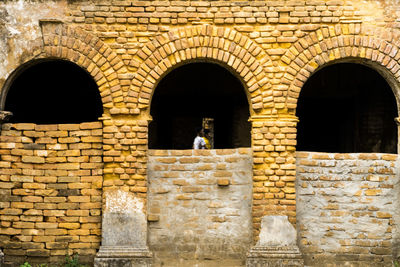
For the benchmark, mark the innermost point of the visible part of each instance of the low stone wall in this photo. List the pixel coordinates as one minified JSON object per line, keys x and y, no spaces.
{"x":199,"y":206}
{"x":347,"y":208}
{"x":50,"y":191}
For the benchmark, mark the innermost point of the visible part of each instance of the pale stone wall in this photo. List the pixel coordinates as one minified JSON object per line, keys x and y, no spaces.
{"x":50,"y":191}
{"x":347,"y":208}
{"x":199,"y":206}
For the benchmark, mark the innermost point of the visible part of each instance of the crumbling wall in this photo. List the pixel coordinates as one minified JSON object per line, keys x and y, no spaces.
{"x":347,"y":207}
{"x":20,"y":31}
{"x":50,"y":191}
{"x":199,"y":205}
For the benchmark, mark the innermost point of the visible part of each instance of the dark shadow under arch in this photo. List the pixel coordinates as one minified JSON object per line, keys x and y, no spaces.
{"x":52,"y":91}
{"x":346,"y":108}
{"x":192,"y":92}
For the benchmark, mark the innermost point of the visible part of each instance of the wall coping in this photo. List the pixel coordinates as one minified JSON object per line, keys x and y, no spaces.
{"x":346,"y":156}
{"x":199,"y":152}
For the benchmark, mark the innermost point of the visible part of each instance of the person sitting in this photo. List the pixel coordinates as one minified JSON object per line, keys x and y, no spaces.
{"x":199,"y":142}
{"x":206,"y":137}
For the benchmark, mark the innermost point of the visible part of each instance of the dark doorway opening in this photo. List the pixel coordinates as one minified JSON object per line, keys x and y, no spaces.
{"x":347,"y":108}
{"x":53,"y":91}
{"x":195,"y":93}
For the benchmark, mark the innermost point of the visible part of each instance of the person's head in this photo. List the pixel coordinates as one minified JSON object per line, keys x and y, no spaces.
{"x":200,"y":131}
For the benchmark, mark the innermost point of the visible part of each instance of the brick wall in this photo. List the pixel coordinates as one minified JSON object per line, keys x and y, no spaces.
{"x":274,"y":171}
{"x":128,"y":46}
{"x":50,"y":191}
{"x":125,"y":155}
{"x":346,"y":207}
{"x":199,"y":205}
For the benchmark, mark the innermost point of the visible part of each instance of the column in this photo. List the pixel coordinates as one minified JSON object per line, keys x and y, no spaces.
{"x":4,"y":117}
{"x":274,"y":196}
{"x":124,"y":223}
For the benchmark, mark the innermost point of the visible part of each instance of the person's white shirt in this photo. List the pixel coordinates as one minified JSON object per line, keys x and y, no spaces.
{"x":199,"y":143}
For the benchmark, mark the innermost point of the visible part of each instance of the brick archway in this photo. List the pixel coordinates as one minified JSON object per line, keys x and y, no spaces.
{"x":223,"y":45}
{"x":88,"y":51}
{"x":84,"y":49}
{"x":343,"y":43}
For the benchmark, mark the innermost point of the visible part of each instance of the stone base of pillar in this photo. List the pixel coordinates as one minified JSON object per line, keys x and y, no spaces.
{"x":1,"y":258}
{"x":289,"y":256}
{"x":123,"y":257}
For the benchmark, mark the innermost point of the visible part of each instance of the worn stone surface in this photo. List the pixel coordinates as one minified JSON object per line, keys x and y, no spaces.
{"x":124,"y":232}
{"x":124,"y":221}
{"x":274,"y":256}
{"x":1,"y":258}
{"x":20,"y":31}
{"x":347,"y":210}
{"x":277,"y":244}
{"x":198,"y":218}
{"x":276,"y":231}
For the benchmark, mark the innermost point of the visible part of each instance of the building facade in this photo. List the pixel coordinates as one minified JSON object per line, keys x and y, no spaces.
{"x":99,"y":105}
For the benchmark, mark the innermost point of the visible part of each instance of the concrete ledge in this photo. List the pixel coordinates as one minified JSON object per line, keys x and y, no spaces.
{"x":274,"y":257}
{"x":354,"y":260}
{"x":116,"y":256}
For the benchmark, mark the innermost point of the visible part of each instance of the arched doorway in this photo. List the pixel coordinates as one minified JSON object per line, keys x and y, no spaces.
{"x":347,"y":108}
{"x":52,"y":91}
{"x":52,"y":152}
{"x":199,"y":202}
{"x":346,"y":166}
{"x":189,"y":96}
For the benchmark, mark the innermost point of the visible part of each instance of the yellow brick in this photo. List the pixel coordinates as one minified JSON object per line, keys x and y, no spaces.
{"x":69,"y":225}
{"x":79,"y":198}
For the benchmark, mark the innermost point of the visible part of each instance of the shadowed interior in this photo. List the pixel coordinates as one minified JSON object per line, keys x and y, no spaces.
{"x":193,"y":92}
{"x":54,"y":91}
{"x":347,"y":108}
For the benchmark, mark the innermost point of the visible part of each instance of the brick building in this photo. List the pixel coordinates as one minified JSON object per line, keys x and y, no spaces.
{"x":100,"y":101}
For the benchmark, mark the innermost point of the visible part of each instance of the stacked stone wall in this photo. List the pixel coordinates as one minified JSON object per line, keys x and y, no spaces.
{"x":199,"y":206}
{"x":51,"y":179}
{"x":346,"y":207}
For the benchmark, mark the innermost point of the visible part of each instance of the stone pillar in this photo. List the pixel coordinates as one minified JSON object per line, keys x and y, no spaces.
{"x":5,"y":116}
{"x":124,"y":224}
{"x":124,"y":232}
{"x":1,"y":258}
{"x":274,"y":196}
{"x":396,"y":201}
{"x":397,"y":120}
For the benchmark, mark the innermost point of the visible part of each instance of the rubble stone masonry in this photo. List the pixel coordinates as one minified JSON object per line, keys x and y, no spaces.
{"x":347,"y":208}
{"x":200,"y":205}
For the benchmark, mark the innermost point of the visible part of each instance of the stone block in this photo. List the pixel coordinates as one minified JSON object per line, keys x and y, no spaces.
{"x":124,"y":232}
{"x":122,"y":257}
{"x":223,"y":182}
{"x":153,"y":218}
{"x":274,"y":257}
{"x":276,"y":245}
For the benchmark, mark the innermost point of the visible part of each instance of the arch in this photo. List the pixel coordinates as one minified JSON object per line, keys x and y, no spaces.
{"x":74,"y":44}
{"x":184,"y":100}
{"x":356,"y":111}
{"x":374,"y":47}
{"x":221,"y":45}
{"x":88,"y":51}
{"x":43,"y":90}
